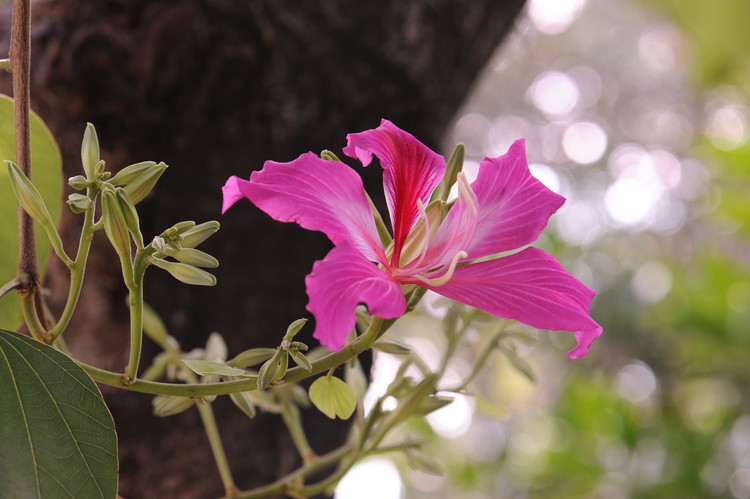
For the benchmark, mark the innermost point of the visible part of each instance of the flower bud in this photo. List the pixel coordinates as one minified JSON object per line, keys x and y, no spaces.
{"x":454,"y":166}
{"x":28,"y":195}
{"x":129,"y":213}
{"x":114,"y":224}
{"x":186,"y":273}
{"x":90,"y":151}
{"x":242,"y":400}
{"x":79,"y":202}
{"x":130,"y":172}
{"x":140,"y":186}
{"x":294,"y":328}
{"x":78,"y":182}
{"x":196,"y":235}
{"x":195,"y":257}
{"x":169,"y":405}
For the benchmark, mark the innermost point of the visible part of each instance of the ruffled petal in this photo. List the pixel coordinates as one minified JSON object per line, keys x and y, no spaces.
{"x":319,"y":195}
{"x":340,"y":282}
{"x":514,"y":207}
{"x":234,"y":189}
{"x":530,"y":287}
{"x":411,"y":172}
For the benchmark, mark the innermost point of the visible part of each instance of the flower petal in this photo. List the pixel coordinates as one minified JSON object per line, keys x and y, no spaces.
{"x":531,"y":287}
{"x":234,"y":189}
{"x":340,"y":282}
{"x":513,"y":206}
{"x":319,"y":195}
{"x":411,"y":172}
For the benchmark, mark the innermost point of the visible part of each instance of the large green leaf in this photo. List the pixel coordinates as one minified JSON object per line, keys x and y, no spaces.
{"x":47,"y":177}
{"x":57,"y":437}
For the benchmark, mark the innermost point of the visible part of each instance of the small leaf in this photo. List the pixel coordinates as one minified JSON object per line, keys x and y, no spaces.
{"x":252,"y":357}
{"x":333,"y":397}
{"x":422,"y":461}
{"x":392,"y":346}
{"x":208,"y":368}
{"x":57,"y":438}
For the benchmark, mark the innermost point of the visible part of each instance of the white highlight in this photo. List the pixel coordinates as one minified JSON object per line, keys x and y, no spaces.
{"x":584,"y":142}
{"x":554,"y":16}
{"x":376,"y":478}
{"x":554,"y":93}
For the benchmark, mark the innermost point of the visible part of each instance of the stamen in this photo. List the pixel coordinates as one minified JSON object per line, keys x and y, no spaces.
{"x":439,"y":281}
{"x":465,"y":190}
{"x":425,"y":242}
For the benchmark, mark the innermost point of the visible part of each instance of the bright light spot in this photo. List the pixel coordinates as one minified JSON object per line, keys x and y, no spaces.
{"x":383,"y":371}
{"x":652,"y":282}
{"x":580,"y":222}
{"x":375,"y":478}
{"x":668,"y":167}
{"x":554,"y":93}
{"x":727,"y":128}
{"x":656,"y":47}
{"x":638,"y":188}
{"x":554,"y":16}
{"x":584,"y":142}
{"x":546,"y":175}
{"x":454,"y":419}
{"x":636,"y":383}
{"x":504,"y":131}
{"x":589,"y":83}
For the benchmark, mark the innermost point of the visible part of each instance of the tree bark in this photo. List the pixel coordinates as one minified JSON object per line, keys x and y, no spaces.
{"x":215,"y":88}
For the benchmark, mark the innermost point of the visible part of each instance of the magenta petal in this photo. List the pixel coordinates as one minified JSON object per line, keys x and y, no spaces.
{"x":319,"y":195}
{"x":234,"y":189}
{"x":513,"y":206}
{"x":412,"y":171}
{"x":530,"y":287}
{"x":340,"y":282}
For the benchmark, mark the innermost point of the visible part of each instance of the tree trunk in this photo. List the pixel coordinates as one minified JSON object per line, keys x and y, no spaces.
{"x":214,"y":88}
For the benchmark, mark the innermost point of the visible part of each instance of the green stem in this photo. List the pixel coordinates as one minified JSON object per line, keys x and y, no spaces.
{"x":290,"y":414}
{"x":214,"y":438}
{"x":483,"y":357}
{"x":77,"y":271}
{"x":134,"y":282}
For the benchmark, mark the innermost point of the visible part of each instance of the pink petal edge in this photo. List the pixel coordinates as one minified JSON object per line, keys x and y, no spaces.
{"x":340,"y":282}
{"x":233,"y":190}
{"x":531,"y":287}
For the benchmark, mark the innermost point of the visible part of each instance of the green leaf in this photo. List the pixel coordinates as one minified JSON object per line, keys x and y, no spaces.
{"x":47,"y":178}
{"x":57,"y":438}
{"x":333,"y":397}
{"x":207,"y":368}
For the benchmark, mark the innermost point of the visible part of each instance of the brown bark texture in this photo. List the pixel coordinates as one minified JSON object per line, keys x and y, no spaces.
{"x":214,"y":88}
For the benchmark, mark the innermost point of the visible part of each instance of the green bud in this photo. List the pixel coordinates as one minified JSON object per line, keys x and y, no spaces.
{"x":392,"y":347}
{"x":28,"y":195}
{"x":127,"y":174}
{"x":199,"y":233}
{"x":129,"y":213}
{"x":79,"y":202}
{"x":192,"y":256}
{"x":216,"y":348}
{"x":114,"y":224}
{"x":252,"y":357}
{"x":169,"y":405}
{"x":354,"y":376}
{"x":78,"y":182}
{"x":153,"y":326}
{"x":453,"y":168}
{"x":424,"y":462}
{"x":268,"y":370}
{"x":140,"y":186}
{"x":90,"y":151}
{"x":242,"y":400}
{"x":294,"y":328}
{"x":183,"y":226}
{"x":185,"y":273}
{"x":300,"y":359}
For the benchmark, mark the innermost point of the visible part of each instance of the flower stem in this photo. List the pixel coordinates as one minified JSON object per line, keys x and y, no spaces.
{"x":214,"y":438}
{"x":290,"y":414}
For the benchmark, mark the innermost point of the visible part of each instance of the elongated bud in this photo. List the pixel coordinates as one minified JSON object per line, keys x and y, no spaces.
{"x":294,"y":328}
{"x":453,"y":168}
{"x":186,"y":273}
{"x":28,"y":195}
{"x":139,"y":187}
{"x":181,"y":227}
{"x":79,"y":202}
{"x":129,"y":213}
{"x":195,"y":257}
{"x":196,"y":235}
{"x":114,"y":224}
{"x":90,"y":151}
{"x":169,"y":405}
{"x":242,"y":400}
{"x":78,"y":182}
{"x":130,"y":172}
{"x":252,"y":357}
{"x":268,"y":370}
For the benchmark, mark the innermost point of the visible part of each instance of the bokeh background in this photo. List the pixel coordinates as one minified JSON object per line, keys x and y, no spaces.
{"x":637,"y":113}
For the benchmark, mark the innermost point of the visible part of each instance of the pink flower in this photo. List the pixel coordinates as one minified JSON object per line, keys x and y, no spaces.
{"x":456,"y":254}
